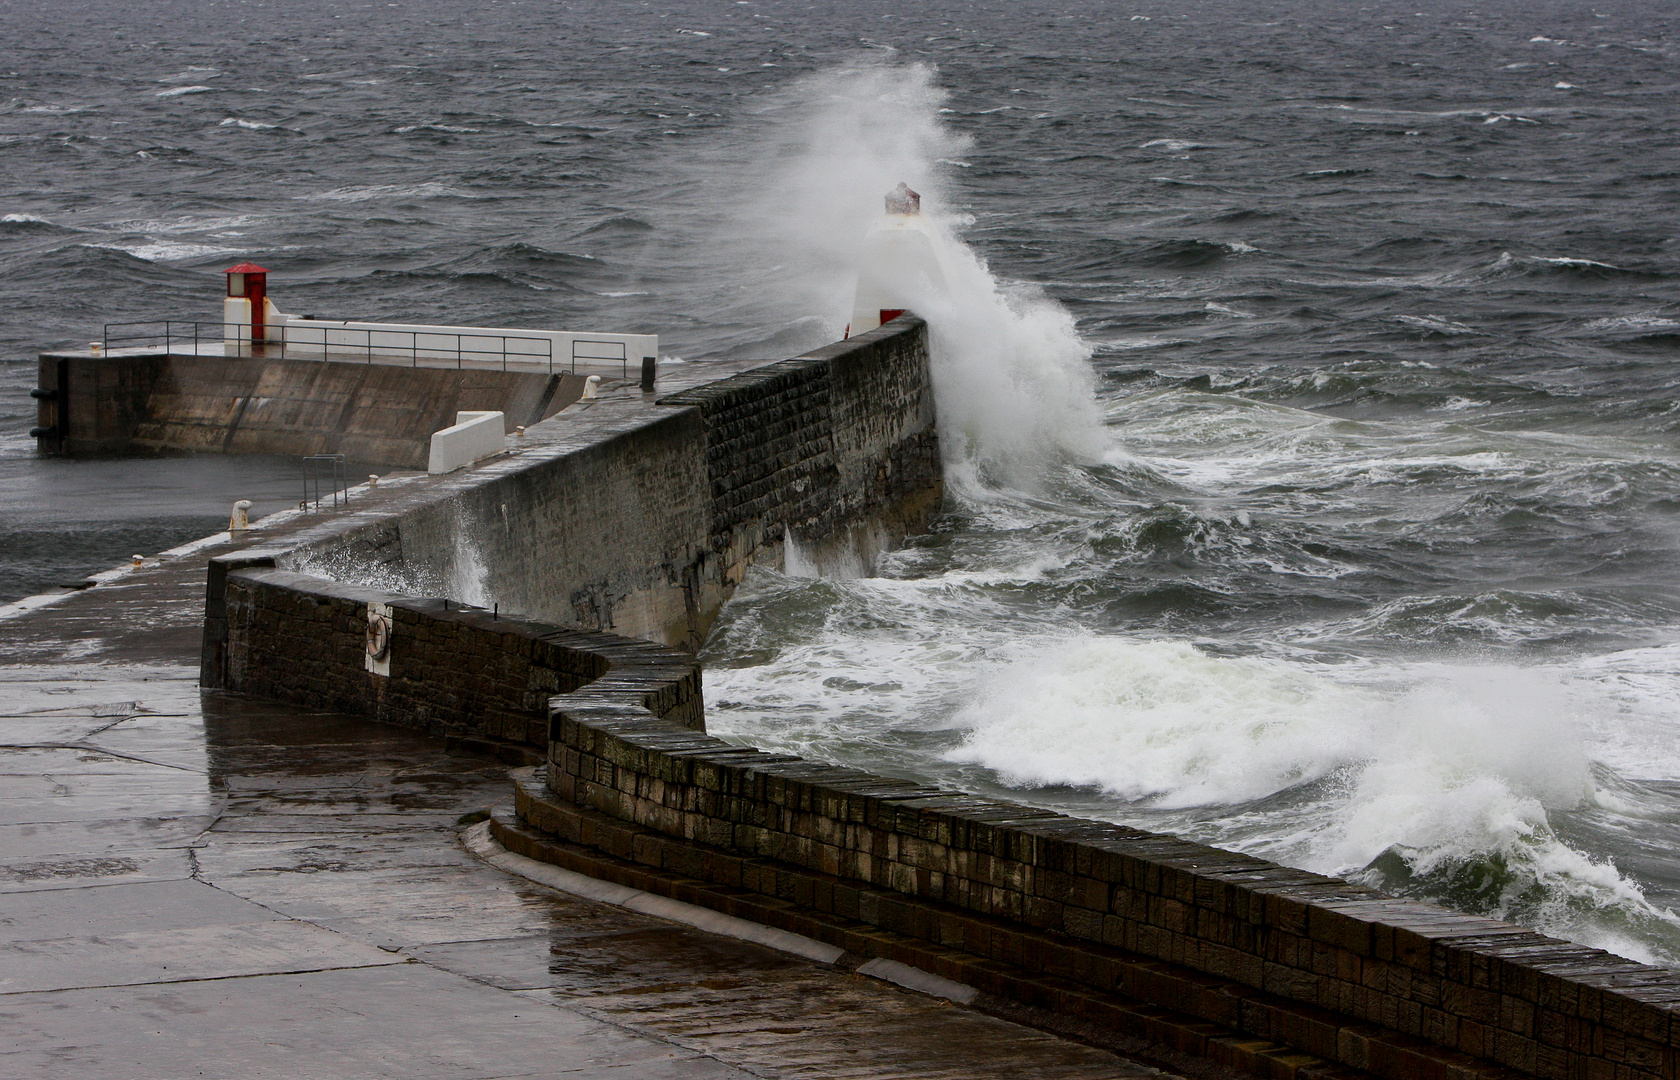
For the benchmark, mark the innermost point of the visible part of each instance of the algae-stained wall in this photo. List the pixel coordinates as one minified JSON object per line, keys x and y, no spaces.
{"x":375,"y":413}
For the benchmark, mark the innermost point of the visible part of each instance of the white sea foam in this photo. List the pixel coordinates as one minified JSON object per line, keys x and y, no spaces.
{"x":179,"y":90}
{"x":1171,"y":145}
{"x":1158,"y":720}
{"x":1453,"y":771}
{"x":431,"y":189}
{"x":253,"y":125}
{"x":1640,"y":323}
{"x":451,"y":129}
{"x":169,"y":250}
{"x":1435,"y":323}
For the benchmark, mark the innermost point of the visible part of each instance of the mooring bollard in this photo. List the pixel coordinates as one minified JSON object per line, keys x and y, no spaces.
{"x":139,"y":560}
{"x":591,"y":388}
{"x":373,"y":480}
{"x":240,"y":519}
{"x":650,"y":367}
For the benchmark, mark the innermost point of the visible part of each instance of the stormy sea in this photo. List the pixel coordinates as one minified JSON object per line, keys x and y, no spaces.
{"x":1307,"y":371}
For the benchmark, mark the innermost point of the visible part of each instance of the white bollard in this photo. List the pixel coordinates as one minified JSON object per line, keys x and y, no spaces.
{"x":591,"y":388}
{"x":240,"y":519}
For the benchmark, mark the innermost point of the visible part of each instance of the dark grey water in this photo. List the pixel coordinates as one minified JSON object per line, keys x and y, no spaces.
{"x":1311,"y":421}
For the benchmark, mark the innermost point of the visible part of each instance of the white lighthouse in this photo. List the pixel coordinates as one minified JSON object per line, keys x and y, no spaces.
{"x":900,"y":263}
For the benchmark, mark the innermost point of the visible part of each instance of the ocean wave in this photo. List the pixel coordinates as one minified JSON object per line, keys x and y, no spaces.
{"x":178,"y":91}
{"x":618,"y":225}
{"x":1189,"y":254}
{"x":448,"y":129}
{"x":1443,"y":786}
{"x":1509,"y":265}
{"x":1436,"y":325}
{"x":170,"y":250}
{"x":1636,"y":325}
{"x":431,"y":189}
{"x":20,"y":224}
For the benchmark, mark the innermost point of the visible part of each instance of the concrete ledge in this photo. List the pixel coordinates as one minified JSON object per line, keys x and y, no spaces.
{"x":482,"y":844}
{"x":473,"y":436}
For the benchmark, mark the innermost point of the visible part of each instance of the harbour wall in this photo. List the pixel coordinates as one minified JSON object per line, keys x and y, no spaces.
{"x":635,"y":517}
{"x":639,"y":514}
{"x":378,"y":414}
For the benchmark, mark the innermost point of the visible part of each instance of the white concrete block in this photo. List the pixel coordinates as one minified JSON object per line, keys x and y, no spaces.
{"x":475,"y":435}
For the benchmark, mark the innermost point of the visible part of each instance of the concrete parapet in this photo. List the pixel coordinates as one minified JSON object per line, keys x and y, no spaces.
{"x":453,"y":671}
{"x":641,"y":515}
{"x":473,"y":436}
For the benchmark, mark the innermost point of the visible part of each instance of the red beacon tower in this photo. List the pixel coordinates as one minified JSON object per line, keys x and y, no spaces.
{"x":245,"y":312}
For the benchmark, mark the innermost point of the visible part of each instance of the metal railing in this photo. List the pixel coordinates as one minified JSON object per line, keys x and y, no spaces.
{"x":324,"y":472}
{"x":372,"y":344}
{"x":175,"y":331}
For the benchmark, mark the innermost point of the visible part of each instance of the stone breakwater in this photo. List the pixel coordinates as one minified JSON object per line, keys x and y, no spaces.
{"x":1146,"y":942}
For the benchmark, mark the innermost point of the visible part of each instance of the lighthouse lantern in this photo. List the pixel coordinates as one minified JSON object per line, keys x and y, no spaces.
{"x":245,"y":311}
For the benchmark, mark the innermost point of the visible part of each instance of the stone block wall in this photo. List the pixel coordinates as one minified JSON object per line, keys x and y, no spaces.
{"x":1396,"y":988}
{"x":821,"y":445}
{"x":451,"y":671}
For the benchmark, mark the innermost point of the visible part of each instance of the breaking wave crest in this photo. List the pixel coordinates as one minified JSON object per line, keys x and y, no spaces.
{"x":1442,"y":782}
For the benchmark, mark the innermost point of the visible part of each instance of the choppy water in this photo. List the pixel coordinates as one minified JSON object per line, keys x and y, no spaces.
{"x":1311,"y":406}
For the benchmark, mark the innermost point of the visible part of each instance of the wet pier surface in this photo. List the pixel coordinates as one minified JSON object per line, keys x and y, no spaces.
{"x":198,"y":884}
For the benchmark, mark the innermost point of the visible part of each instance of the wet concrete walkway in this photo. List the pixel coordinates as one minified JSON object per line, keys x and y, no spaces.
{"x":201,"y":885}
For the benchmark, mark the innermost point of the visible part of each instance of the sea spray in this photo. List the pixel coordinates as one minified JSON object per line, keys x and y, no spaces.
{"x":1435,"y":780}
{"x":1011,"y":375}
